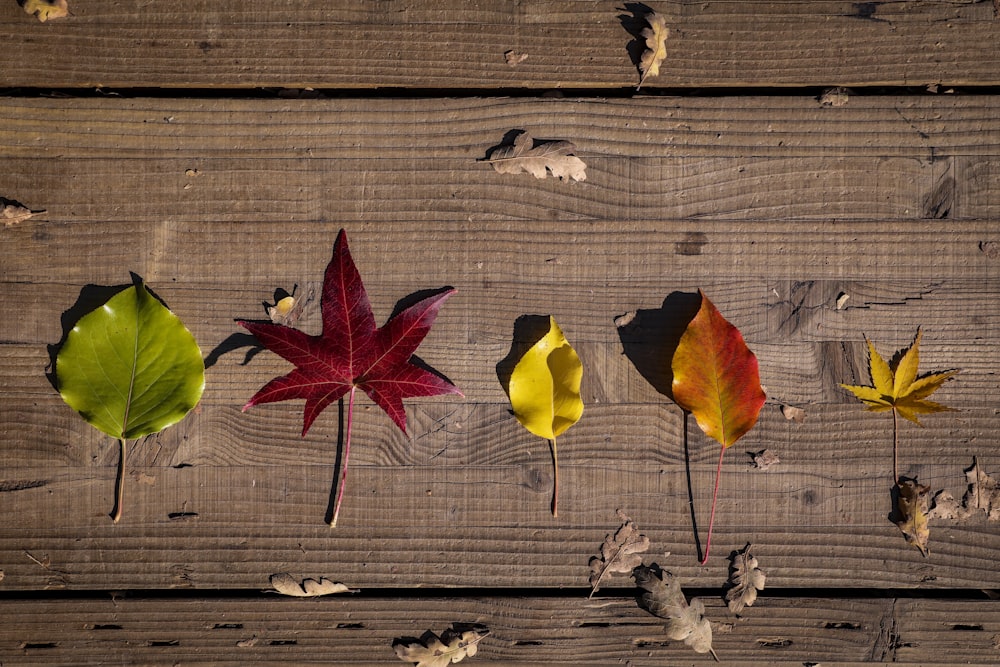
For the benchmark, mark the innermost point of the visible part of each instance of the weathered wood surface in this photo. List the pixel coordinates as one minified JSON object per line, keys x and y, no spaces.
{"x":523,"y":631}
{"x":778,"y":206}
{"x":456,"y":44}
{"x":215,"y":225}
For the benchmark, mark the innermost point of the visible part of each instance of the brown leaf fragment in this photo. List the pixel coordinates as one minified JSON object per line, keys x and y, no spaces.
{"x":834,"y":97}
{"x":661,"y":595}
{"x":793,"y":414}
{"x":745,"y":579}
{"x":514,"y":58}
{"x":990,"y":248}
{"x":764,"y":459}
{"x":45,"y":9}
{"x":286,"y":584}
{"x":983,"y":492}
{"x":433,"y":651}
{"x":946,"y":506}
{"x":656,"y":47}
{"x":619,"y":553}
{"x":912,"y":507}
{"x":548,"y":156}
{"x":13,"y":213}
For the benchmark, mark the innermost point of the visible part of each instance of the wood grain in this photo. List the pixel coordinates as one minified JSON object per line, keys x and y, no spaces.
{"x":449,"y":44}
{"x":360,"y":630}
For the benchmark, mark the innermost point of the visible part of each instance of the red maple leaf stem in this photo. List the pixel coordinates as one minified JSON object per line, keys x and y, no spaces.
{"x":347,"y":453}
{"x":711,"y":518}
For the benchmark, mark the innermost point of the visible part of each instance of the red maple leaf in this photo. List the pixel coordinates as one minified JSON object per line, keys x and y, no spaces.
{"x":351,"y":353}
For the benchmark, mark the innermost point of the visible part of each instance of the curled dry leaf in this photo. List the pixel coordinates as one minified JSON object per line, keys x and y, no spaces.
{"x":524,"y":156}
{"x":745,"y":579}
{"x":656,"y":47}
{"x":834,"y":97}
{"x":286,"y":584}
{"x":661,"y":595}
{"x":13,"y":213}
{"x":945,"y":506}
{"x":912,"y":506}
{"x":433,"y":651}
{"x":44,"y":10}
{"x":619,"y":554}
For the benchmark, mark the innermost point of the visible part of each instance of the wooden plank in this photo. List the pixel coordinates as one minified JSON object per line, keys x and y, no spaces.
{"x":450,"y":44}
{"x":457,"y":516}
{"x":929,"y":128}
{"x":523,"y":631}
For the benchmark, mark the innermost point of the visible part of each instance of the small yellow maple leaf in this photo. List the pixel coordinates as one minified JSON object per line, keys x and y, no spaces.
{"x":656,"y":46}
{"x":896,"y":386}
{"x":45,"y":9}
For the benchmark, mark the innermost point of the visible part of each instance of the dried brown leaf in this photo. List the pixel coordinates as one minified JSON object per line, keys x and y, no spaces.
{"x":764,"y":459}
{"x":13,"y":213}
{"x":983,"y":492}
{"x":745,"y":579}
{"x":45,"y":9}
{"x":656,"y":47}
{"x":793,"y":414}
{"x":619,"y":553}
{"x":547,"y":156}
{"x":286,"y":584}
{"x":946,"y":506}
{"x":912,"y":506}
{"x":514,"y":58}
{"x":433,"y":651}
{"x":661,"y":595}
{"x":834,"y":97}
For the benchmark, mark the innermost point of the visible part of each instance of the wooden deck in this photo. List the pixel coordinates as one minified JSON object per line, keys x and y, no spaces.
{"x":216,"y":150}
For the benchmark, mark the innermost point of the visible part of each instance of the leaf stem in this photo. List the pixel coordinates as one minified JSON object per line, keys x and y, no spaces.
{"x":555,"y":478}
{"x":711,"y":517}
{"x":347,"y":453}
{"x":116,"y":512}
{"x":895,"y":446}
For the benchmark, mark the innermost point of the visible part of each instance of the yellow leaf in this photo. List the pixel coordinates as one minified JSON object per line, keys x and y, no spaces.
{"x":544,"y":391}
{"x":895,"y":385}
{"x":545,"y":386}
{"x":656,"y":47}
{"x":46,"y":9}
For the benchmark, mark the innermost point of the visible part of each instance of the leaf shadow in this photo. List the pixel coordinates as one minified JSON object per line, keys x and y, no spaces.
{"x":649,"y":340}
{"x":528,"y":330}
{"x":233,"y":342}
{"x":338,"y":462}
{"x":507,"y":140}
{"x":406,"y":302}
{"x":91,"y":298}
{"x":634,"y":24}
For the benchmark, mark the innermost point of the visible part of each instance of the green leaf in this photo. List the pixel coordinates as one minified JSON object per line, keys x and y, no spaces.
{"x":130,"y":367}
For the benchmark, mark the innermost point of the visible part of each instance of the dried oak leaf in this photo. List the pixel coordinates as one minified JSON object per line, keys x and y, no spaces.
{"x":764,"y":459}
{"x":286,"y":584}
{"x":13,"y":213}
{"x":45,"y":9}
{"x":661,"y":595}
{"x":745,"y":579}
{"x":656,"y":46}
{"x":946,"y":506}
{"x":619,"y":554}
{"x":912,"y":506}
{"x":524,"y":156}
{"x":433,"y":651}
{"x":983,"y":492}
